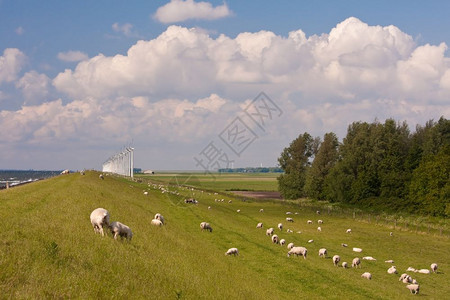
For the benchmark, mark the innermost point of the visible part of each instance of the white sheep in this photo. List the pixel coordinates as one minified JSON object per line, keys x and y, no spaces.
{"x":319,"y":222}
{"x":434,"y":267}
{"x":288,"y":213}
{"x":411,"y":269}
{"x":323,"y":252}
{"x":269,"y":231}
{"x":261,"y":210}
{"x":298,"y":251}
{"x":122,"y":230}
{"x":405,"y":278}
{"x":156,"y":222}
{"x":356,"y":262}
{"x":319,"y":229}
{"x":369,"y":258}
{"x":158,"y":216}
{"x":392,"y":270}
{"x":367,"y":275}
{"x":344,"y":245}
{"x":238,"y":210}
{"x":282,"y":242}
{"x":357,"y":250}
{"x":99,"y":219}
{"x":101,"y":176}
{"x":259,"y":225}
{"x":336,"y":260}
{"x":390,"y":261}
{"x":289,"y":230}
{"x":229,"y":201}
{"x":310,"y":241}
{"x":290,"y":246}
{"x":309,"y":222}
{"x":349,"y":230}
{"x":345,"y":265}
{"x":233,"y":251}
{"x":414,"y":288}
{"x":205,"y":226}
{"x":289,"y":220}
{"x":280,"y":226}
{"x":423,"y":271}
{"x":275,"y":239}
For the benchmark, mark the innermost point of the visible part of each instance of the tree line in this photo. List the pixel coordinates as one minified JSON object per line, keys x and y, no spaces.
{"x":380,"y":165}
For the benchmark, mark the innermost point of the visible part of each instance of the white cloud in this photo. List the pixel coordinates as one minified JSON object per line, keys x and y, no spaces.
{"x":179,"y":11}
{"x":72,"y":56}
{"x":11,"y":63}
{"x":19,"y":30}
{"x":34,"y":87}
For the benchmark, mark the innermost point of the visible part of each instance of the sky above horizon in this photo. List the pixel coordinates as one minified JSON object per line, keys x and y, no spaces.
{"x":196,"y":85}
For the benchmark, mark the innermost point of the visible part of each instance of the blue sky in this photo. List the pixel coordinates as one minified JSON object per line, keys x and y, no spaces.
{"x":79,"y":80}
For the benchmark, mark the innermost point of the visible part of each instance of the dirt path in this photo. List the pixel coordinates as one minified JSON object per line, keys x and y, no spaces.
{"x":259,"y":195}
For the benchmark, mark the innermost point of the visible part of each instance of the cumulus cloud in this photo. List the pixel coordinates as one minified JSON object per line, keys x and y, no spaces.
{"x":34,"y":87}
{"x":72,"y":56}
{"x":11,"y":63}
{"x":179,"y":11}
{"x":184,"y":86}
{"x":125,"y":29}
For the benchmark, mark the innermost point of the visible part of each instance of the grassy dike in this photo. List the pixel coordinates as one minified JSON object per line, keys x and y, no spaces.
{"x":48,"y":248}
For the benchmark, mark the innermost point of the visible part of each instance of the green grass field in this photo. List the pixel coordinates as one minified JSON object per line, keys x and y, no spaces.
{"x":48,"y":248}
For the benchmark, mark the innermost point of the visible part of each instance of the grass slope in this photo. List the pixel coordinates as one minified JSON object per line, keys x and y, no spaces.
{"x":48,"y":248}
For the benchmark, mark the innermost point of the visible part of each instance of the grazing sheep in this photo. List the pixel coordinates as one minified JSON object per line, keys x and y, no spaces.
{"x":345,"y":265}
{"x":280,"y":226}
{"x":289,"y":220}
{"x":414,"y":281}
{"x":391,"y":261}
{"x":414,"y":288}
{"x":323,"y":252}
{"x":282,"y":242}
{"x":288,"y":213}
{"x":319,"y":222}
{"x":205,"y":226}
{"x":99,"y":219}
{"x":233,"y":251}
{"x":101,"y":176}
{"x":261,"y":210}
{"x":411,"y":269}
{"x":357,"y":250}
{"x":275,"y":239}
{"x":434,"y":267}
{"x":229,"y":201}
{"x":238,"y":210}
{"x":122,"y":230}
{"x":349,"y":231}
{"x":289,"y":231}
{"x":259,"y":225}
{"x":145,"y":193}
{"x":405,"y":278}
{"x":344,"y":245}
{"x":392,"y":270}
{"x":290,"y":246}
{"x":423,"y":271}
{"x":319,"y":229}
{"x":269,"y":231}
{"x":367,"y":275}
{"x":311,"y":241}
{"x":318,"y":212}
{"x":299,"y":232}
{"x":298,"y":251}
{"x":368,"y":258}
{"x":356,"y":262}
{"x":158,"y":216}
{"x":336,"y":260}
{"x":309,"y":222}
{"x":156,"y":222}
{"x":391,"y":234}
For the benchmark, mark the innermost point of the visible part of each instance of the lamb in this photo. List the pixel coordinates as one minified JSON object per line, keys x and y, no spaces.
{"x":356,"y":262}
{"x":290,"y":246}
{"x":345,"y":265}
{"x":280,"y":226}
{"x":367,"y":275}
{"x":319,"y":229}
{"x":282,"y":242}
{"x":205,"y":226}
{"x":158,"y":216}
{"x":122,"y":230}
{"x":156,"y":222}
{"x":369,"y":258}
{"x":298,"y":251}
{"x":392,"y":270}
{"x":289,"y":220}
{"x":336,"y":260}
{"x":349,"y":231}
{"x":357,"y":249}
{"x":275,"y":239}
{"x":259,"y":225}
{"x":434,"y":267}
{"x":323,"y":252}
{"x":414,"y":288}
{"x":99,"y":219}
{"x":233,"y":251}
{"x":405,"y":278}
{"x":269,"y":231}
{"x":309,"y":222}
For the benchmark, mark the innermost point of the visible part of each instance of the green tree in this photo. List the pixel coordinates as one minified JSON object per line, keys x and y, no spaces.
{"x":295,"y":161}
{"x":325,"y":159}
